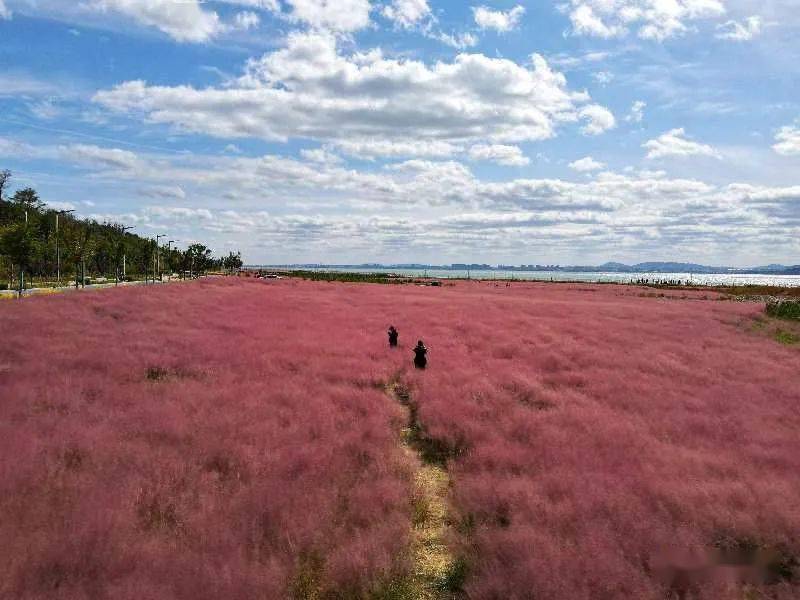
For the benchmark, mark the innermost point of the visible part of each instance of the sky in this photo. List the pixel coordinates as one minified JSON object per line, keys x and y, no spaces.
{"x":399,"y":131}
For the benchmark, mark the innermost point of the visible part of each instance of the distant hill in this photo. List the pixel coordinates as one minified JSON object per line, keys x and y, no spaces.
{"x":609,"y":267}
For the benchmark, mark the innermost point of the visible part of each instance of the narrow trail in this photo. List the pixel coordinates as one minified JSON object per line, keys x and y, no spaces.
{"x":437,"y":573}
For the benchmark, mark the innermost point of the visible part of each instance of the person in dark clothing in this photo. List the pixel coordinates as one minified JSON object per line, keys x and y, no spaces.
{"x":420,"y":355}
{"x":393,"y":335}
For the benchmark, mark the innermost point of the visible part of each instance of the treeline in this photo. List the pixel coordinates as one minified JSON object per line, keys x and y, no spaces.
{"x":48,"y":246}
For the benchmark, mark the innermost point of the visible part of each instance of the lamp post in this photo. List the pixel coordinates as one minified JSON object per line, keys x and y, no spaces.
{"x":169,"y":256}
{"x":158,"y":257}
{"x":21,"y":264}
{"x":58,"y":247}
{"x":123,"y":230}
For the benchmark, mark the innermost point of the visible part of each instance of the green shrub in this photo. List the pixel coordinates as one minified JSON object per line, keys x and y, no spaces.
{"x":787,"y":338}
{"x":331,"y":276}
{"x":784,"y":309}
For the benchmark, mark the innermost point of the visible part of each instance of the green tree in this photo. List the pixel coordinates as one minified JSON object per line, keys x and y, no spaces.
{"x":28,"y":199}
{"x":197,"y":258}
{"x":28,"y":243}
{"x":19,"y":244}
{"x":232,"y":262}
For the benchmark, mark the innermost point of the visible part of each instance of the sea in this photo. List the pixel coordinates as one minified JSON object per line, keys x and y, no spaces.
{"x":717,"y":279}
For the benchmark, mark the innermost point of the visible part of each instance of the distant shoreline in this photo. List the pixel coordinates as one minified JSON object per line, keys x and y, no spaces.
{"x":654,"y":279}
{"x":666,"y":268}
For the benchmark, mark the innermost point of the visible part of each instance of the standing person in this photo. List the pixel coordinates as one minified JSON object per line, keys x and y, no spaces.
{"x":393,"y":335}
{"x":420,"y":355}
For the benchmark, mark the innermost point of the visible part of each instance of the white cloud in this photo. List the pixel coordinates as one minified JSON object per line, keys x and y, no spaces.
{"x":174,"y":192}
{"x":566,"y":60}
{"x":10,"y":147}
{"x":788,"y":140}
{"x":321,"y":156}
{"x":97,"y":157}
{"x":501,"y":21}
{"x":22,"y":84}
{"x":653,"y":19}
{"x":86,"y":155}
{"x":335,"y":15}
{"x":511,"y":156}
{"x":246,"y":20}
{"x":373,"y":148}
{"x":184,"y":21}
{"x":599,"y":118}
{"x":740,"y":31}
{"x":675,"y":143}
{"x":268,"y":5}
{"x":407,"y":13}
{"x":309,"y":89}
{"x":460,"y":41}
{"x":603,"y":78}
{"x":637,"y":112}
{"x":45,"y":110}
{"x":430,"y":209}
{"x":586,"y":165}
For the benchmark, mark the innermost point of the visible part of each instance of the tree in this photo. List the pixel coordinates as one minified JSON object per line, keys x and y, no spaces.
{"x":233,"y":262}
{"x":198,"y":258}
{"x":29,"y":245}
{"x":28,"y":199}
{"x":79,"y":248}
{"x":116,"y":246}
{"x":19,"y":244}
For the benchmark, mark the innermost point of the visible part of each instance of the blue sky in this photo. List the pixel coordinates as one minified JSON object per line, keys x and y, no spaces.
{"x":574,"y":131}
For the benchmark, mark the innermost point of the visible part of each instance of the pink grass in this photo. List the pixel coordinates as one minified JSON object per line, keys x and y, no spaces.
{"x":595,"y":433}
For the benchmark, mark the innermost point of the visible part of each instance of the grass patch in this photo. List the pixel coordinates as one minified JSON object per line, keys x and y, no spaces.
{"x":161,"y":374}
{"x":382,"y":278}
{"x":786,"y":338}
{"x":157,"y":374}
{"x":431,"y":450}
{"x":455,"y":577}
{"x":758,"y":290}
{"x":226,"y":468}
{"x":395,"y":589}
{"x":157,"y":514}
{"x":437,"y":573}
{"x":307,"y":581}
{"x":775,"y":563}
{"x":74,"y":458}
{"x":784,"y":309}
{"x":784,"y":333}
{"x":345,"y":277}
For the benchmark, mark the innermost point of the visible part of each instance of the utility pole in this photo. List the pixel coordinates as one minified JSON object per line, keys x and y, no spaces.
{"x":58,"y":248}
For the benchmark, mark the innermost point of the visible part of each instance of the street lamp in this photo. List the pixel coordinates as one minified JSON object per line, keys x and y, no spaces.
{"x":21,"y":264}
{"x":123,"y":229}
{"x":158,"y":257}
{"x":169,"y":256}
{"x":58,"y":248}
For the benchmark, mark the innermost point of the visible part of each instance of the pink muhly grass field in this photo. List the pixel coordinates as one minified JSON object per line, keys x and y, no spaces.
{"x":230,"y":439}
{"x":596,"y":433}
{"x":217,"y":440}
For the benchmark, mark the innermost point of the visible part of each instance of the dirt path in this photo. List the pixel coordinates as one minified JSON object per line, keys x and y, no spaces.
{"x":437,"y":573}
